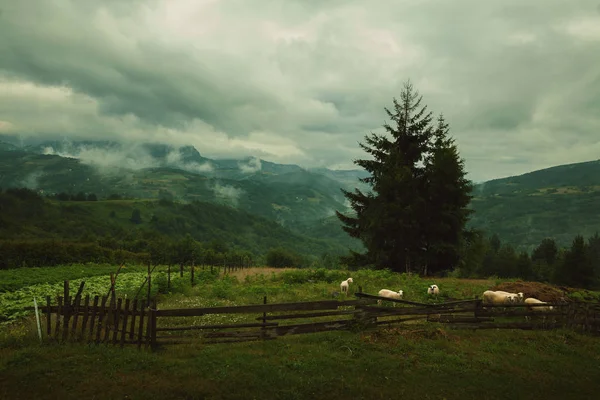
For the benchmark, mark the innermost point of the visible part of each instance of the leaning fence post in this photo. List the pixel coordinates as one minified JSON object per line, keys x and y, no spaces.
{"x":37,"y":318}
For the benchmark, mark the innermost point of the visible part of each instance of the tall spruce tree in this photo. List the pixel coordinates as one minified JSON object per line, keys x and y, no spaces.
{"x":415,"y":212}
{"x":447,"y":193}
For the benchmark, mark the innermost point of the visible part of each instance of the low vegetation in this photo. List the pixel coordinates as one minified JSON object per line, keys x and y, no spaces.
{"x":423,"y":360}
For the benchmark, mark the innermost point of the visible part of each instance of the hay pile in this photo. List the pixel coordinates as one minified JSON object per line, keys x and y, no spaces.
{"x":540,"y":291}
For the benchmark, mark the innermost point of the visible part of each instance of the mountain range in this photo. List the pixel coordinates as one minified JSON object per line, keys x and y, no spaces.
{"x":557,"y":202}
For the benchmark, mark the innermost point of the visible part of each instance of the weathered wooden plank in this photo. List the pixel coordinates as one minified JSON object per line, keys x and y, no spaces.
{"x":517,"y":313}
{"x":75,"y":316}
{"x":108,"y":326}
{"x":315,"y":327}
{"x":141,"y":326}
{"x":101,"y":319}
{"x":374,"y":297}
{"x":86,"y":315}
{"x":240,"y":340}
{"x":151,"y":339}
{"x":391,"y":311}
{"x":399,"y":320}
{"x":48,"y":318}
{"x":93,"y":317}
{"x":499,"y":325}
{"x":448,"y":319}
{"x":236,"y":334}
{"x":222,"y":326}
{"x":134,"y":310}
{"x":80,"y":290}
{"x":116,"y":321}
{"x":522,"y":305}
{"x":58,"y":314}
{"x":259,"y":308}
{"x":125,"y":316}
{"x":66,"y":312}
{"x":309,"y":315}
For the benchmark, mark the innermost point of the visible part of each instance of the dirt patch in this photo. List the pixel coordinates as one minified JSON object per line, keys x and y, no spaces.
{"x":391,"y":335}
{"x":540,"y":291}
{"x":241,"y":274}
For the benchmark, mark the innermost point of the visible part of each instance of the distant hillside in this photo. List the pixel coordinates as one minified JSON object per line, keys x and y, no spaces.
{"x":558,"y":202}
{"x":285,"y":193}
{"x":77,"y":220}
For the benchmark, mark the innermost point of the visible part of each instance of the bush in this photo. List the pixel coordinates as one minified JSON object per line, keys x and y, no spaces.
{"x":281,"y":258}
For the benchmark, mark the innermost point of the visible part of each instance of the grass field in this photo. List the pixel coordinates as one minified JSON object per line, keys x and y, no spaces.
{"x":422,"y":360}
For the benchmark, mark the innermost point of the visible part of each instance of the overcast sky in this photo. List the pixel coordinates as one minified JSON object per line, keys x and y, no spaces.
{"x":302,"y":81}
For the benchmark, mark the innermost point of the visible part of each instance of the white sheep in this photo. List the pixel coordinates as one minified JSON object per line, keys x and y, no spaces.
{"x":390,"y":294}
{"x":433,"y":289}
{"x":344,"y":285}
{"x":491,"y":297}
{"x":512,"y":297}
{"x":531,"y":300}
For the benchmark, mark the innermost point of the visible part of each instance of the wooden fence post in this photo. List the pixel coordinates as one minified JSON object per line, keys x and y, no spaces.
{"x":149,"y":284}
{"x":169,"y":276}
{"x":192,"y":272}
{"x":58,"y":313}
{"x":152,"y":325}
{"x":48,"y":317}
{"x":263,"y":329}
{"x":66,"y":310}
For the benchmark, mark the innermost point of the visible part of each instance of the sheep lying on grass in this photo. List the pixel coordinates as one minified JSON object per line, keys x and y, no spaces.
{"x":433,"y":289}
{"x":345,"y":285}
{"x":499,"y":297}
{"x":540,"y":309}
{"x":532,"y":300}
{"x":390,"y":294}
{"x":512,"y":297}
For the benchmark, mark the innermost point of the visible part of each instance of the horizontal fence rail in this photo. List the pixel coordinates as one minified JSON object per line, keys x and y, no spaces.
{"x":117,"y":321}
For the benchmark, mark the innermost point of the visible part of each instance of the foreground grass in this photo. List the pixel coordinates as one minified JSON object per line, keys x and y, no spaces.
{"x":421,"y":360}
{"x":425,"y":363}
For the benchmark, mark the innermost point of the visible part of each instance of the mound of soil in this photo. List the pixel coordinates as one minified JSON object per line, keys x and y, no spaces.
{"x":540,"y":291}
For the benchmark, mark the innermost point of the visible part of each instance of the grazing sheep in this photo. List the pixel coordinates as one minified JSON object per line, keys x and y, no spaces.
{"x":390,"y":294}
{"x":491,"y":297}
{"x":345,"y":284}
{"x":433,"y":289}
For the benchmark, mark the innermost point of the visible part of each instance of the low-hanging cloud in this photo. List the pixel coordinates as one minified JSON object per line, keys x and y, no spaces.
{"x":251,"y":166}
{"x":302,"y":81}
{"x":227,"y":193}
{"x":32,"y":180}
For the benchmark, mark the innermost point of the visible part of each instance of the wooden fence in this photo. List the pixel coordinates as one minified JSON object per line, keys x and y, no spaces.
{"x":117,"y":321}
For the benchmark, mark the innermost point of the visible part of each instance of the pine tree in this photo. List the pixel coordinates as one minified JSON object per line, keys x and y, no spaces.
{"x":448,"y":196}
{"x":397,"y":220}
{"x":576,"y":269}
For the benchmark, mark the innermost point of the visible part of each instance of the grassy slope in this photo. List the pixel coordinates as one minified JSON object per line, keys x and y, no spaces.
{"x":205,"y":221}
{"x":429,"y":364}
{"x":558,"y":202}
{"x":424,"y":361}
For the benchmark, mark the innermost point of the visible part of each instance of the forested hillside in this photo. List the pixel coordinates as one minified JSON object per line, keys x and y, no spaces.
{"x":559,"y":202}
{"x":25,"y":216}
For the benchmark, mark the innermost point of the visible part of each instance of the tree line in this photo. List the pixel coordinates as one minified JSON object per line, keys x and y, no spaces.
{"x":575,"y":266}
{"x":187,"y":251}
